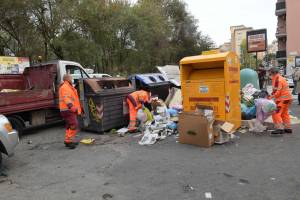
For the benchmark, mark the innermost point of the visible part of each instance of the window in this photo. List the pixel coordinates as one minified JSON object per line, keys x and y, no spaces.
{"x":75,"y":72}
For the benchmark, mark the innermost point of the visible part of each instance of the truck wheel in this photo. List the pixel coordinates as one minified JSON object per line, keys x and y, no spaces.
{"x":17,"y":124}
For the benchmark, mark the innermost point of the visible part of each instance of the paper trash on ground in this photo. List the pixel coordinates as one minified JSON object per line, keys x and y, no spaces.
{"x":122,"y":131}
{"x":227,"y":127}
{"x":87,"y":141}
{"x":208,"y":195}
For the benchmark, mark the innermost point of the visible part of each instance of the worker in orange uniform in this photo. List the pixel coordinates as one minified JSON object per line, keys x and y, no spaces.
{"x":70,"y":108}
{"x":136,"y":101}
{"x":283,"y":99}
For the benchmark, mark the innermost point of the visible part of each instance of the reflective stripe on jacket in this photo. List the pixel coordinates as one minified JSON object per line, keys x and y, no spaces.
{"x":281,"y":90}
{"x":68,"y":96}
{"x":137,"y":97}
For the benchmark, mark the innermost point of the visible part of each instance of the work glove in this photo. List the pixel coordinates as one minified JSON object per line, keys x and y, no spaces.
{"x":73,"y":109}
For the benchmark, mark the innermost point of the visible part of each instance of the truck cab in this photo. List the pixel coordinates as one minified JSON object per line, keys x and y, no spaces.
{"x":67,"y":67}
{"x":31,"y":99}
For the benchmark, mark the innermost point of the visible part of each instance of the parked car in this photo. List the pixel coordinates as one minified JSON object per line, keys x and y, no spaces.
{"x":100,"y":75}
{"x":8,"y":138}
{"x":290,"y":81}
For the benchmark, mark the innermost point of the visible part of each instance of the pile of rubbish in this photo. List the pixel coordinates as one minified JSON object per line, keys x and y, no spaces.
{"x":248,"y":108}
{"x":256,"y":107}
{"x":162,"y":121}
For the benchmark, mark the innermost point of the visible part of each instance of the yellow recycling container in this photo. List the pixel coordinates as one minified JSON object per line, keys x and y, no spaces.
{"x":212,"y":79}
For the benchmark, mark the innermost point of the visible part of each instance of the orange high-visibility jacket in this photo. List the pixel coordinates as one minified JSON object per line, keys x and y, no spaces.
{"x":68,"y":96}
{"x":137,"y":97}
{"x":281,"y":90}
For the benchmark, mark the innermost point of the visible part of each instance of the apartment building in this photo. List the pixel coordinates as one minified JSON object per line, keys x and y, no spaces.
{"x":238,"y":35}
{"x":288,"y":32}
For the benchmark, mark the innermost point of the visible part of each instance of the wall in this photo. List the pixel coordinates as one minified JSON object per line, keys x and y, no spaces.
{"x":293,"y":26}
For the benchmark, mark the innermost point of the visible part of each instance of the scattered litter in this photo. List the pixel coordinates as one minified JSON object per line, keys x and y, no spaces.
{"x":113,"y":131}
{"x":208,"y":195}
{"x":243,"y":131}
{"x":273,"y":179}
{"x":148,"y":138}
{"x":138,"y":135}
{"x":222,"y":138}
{"x":87,"y":141}
{"x":188,"y":188}
{"x":249,"y":90}
{"x":73,"y":191}
{"x":257,"y":126}
{"x":227,"y":127}
{"x":121,"y":132}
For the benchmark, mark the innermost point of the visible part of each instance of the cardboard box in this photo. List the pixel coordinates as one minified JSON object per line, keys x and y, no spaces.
{"x":195,"y":129}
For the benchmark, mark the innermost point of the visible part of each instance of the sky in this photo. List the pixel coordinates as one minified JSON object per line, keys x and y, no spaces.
{"x":216,"y":16}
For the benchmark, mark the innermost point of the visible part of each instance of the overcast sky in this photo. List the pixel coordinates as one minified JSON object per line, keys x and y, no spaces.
{"x":216,"y":16}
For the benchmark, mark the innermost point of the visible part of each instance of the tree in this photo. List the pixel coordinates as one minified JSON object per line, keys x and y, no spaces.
{"x":112,"y":36}
{"x":247,"y":59}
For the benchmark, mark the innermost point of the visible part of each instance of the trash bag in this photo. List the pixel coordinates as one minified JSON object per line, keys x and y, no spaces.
{"x":172,"y":125}
{"x":251,"y":111}
{"x":243,"y":108}
{"x":144,"y":115}
{"x":269,"y":106}
{"x":257,"y":126}
{"x":249,"y":90}
{"x":173,"y":112}
{"x":248,"y":100}
{"x":248,"y":112}
{"x":141,"y":116}
{"x":264,"y":109}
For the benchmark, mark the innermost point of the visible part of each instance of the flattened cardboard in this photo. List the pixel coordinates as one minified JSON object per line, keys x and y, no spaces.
{"x":227,"y":127}
{"x":195,"y":129}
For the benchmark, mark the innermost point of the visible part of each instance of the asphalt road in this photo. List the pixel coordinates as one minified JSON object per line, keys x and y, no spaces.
{"x":255,"y":167}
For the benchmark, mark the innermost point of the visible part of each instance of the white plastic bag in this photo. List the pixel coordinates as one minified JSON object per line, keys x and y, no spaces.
{"x":257,"y":126}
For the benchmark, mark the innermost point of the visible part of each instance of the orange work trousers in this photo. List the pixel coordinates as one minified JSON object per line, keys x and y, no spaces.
{"x":132,"y":116}
{"x":71,"y":125}
{"x":281,"y":117}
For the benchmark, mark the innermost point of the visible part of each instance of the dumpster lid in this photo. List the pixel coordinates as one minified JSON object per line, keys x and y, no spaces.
{"x":205,"y":58}
{"x":100,"y":84}
{"x":172,"y":72}
{"x":151,"y":78}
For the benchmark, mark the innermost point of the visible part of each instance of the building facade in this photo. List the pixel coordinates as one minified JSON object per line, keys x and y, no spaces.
{"x":225,"y":47}
{"x":238,"y":35}
{"x":288,"y":32}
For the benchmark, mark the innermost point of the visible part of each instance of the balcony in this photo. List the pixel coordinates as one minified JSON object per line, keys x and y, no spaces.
{"x":281,"y":32}
{"x":281,"y":55}
{"x":280,"y":8}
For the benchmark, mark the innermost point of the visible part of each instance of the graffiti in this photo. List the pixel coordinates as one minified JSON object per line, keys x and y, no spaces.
{"x":96,"y":111}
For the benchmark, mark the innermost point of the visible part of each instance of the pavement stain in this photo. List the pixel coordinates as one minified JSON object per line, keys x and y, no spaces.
{"x":228,"y":175}
{"x":244,"y":181}
{"x":107,"y":196}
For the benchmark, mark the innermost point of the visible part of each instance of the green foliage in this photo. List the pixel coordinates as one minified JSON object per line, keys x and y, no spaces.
{"x":112,"y":36}
{"x":248,"y":60}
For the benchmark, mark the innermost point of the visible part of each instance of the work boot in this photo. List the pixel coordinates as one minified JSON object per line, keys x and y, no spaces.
{"x":288,"y":131}
{"x":277,"y":132}
{"x":70,"y":145}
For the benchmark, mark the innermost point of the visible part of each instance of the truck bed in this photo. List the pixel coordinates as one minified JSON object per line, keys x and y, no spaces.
{"x":26,"y":100}
{"x":32,"y":90}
